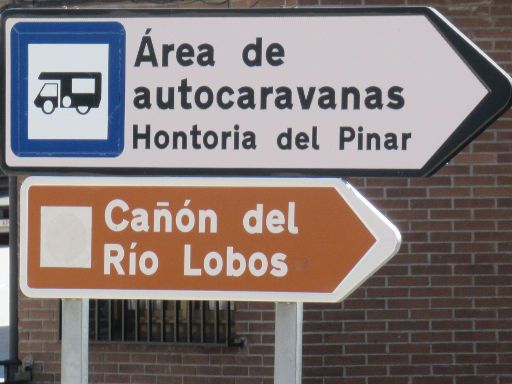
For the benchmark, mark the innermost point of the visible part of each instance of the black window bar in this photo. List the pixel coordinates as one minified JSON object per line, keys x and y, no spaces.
{"x":184,"y":322}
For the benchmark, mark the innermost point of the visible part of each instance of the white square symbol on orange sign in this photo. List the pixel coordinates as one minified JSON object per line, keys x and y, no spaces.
{"x":66,"y":237}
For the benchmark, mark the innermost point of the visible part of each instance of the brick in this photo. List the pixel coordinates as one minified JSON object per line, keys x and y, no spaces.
{"x":474,"y":247}
{"x":431,"y":247}
{"x":117,"y":378}
{"x":388,"y":204}
{"x":493,"y":347}
{"x":451,"y":258}
{"x":493,"y":324}
{"x":453,"y":347}
{"x":475,"y":225}
{"x":474,"y":180}
{"x":505,"y":247}
{"x":492,"y":280}
{"x":450,"y":236}
{"x":473,"y":291}
{"x":431,"y":270}
{"x":476,"y":380}
{"x":451,"y":281}
{"x":479,"y":358}
{"x":494,"y":369}
{"x":408,"y":281}
{"x":504,"y":225}
{"x":475,"y":203}
{"x":344,"y":315}
{"x":491,"y":147}
{"x":430,"y":292}
{"x":325,"y":326}
{"x":450,"y":169}
{"x":443,"y":214}
{"x":406,"y":192}
{"x":386,"y":182}
{"x":388,"y":292}
{"x":414,"y":237}
{"x":493,"y":302}
{"x":329,"y":371}
{"x":450,"y":192}
{"x":408,"y":325}
{"x":475,"y":336}
{"x":479,"y":269}
{"x":388,"y":380}
{"x":431,"y":314}
{"x":370,"y":370}
{"x":344,"y":360}
{"x":408,"y":303}
{"x":344,"y":338}
{"x":430,"y":337}
{"x":453,"y":370}
{"x":452,"y":324}
{"x":340,"y":380}
{"x":365,"y":348}
{"x":433,"y":181}
{"x":387,"y":337}
{"x":409,"y":370}
{"x":392,"y":269}
{"x":366,"y":304}
{"x":386,"y":314}
{"x":365,"y":326}
{"x":493,"y":170}
{"x":504,"y":180}
{"x":431,"y":359}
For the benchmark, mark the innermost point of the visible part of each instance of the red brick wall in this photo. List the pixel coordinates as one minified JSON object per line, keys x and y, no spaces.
{"x":439,"y":312}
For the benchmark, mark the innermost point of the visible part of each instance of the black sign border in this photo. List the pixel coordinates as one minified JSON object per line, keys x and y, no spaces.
{"x":484,"y":114}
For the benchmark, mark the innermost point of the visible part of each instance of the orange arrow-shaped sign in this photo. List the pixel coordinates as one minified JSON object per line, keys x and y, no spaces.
{"x":189,"y":238}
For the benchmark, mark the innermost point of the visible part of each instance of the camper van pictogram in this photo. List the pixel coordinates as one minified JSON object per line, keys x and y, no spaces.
{"x":79,"y":90}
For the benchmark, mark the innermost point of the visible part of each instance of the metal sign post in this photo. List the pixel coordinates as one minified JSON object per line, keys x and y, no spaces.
{"x":75,"y":341}
{"x":288,"y":343}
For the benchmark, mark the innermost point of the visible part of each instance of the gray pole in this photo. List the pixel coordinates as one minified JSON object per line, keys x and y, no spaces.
{"x":288,"y":344}
{"x":13,"y":272}
{"x":75,"y":341}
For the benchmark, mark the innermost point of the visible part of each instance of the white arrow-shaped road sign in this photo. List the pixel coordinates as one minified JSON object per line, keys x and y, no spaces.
{"x":357,"y":91}
{"x":275,"y":239}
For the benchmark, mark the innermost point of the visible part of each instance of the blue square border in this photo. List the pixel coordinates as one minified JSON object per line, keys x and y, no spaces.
{"x":25,"y":33}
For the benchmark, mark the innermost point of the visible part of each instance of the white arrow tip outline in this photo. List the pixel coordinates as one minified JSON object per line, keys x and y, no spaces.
{"x":387,"y":244}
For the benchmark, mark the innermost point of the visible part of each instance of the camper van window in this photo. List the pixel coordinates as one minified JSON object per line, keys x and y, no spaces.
{"x":82,"y":85}
{"x":49,"y":89}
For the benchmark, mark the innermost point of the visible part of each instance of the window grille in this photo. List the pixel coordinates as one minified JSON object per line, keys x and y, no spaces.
{"x":4,"y":217}
{"x":189,"y":322}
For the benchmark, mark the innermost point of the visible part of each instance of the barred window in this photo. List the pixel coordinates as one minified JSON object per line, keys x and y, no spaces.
{"x":204,"y":322}
{"x":4,"y":218}
{"x":187,"y":322}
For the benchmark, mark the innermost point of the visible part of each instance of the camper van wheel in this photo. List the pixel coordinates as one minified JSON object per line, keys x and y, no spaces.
{"x":83,"y":109}
{"x":66,"y":101}
{"x":48,"y":107}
